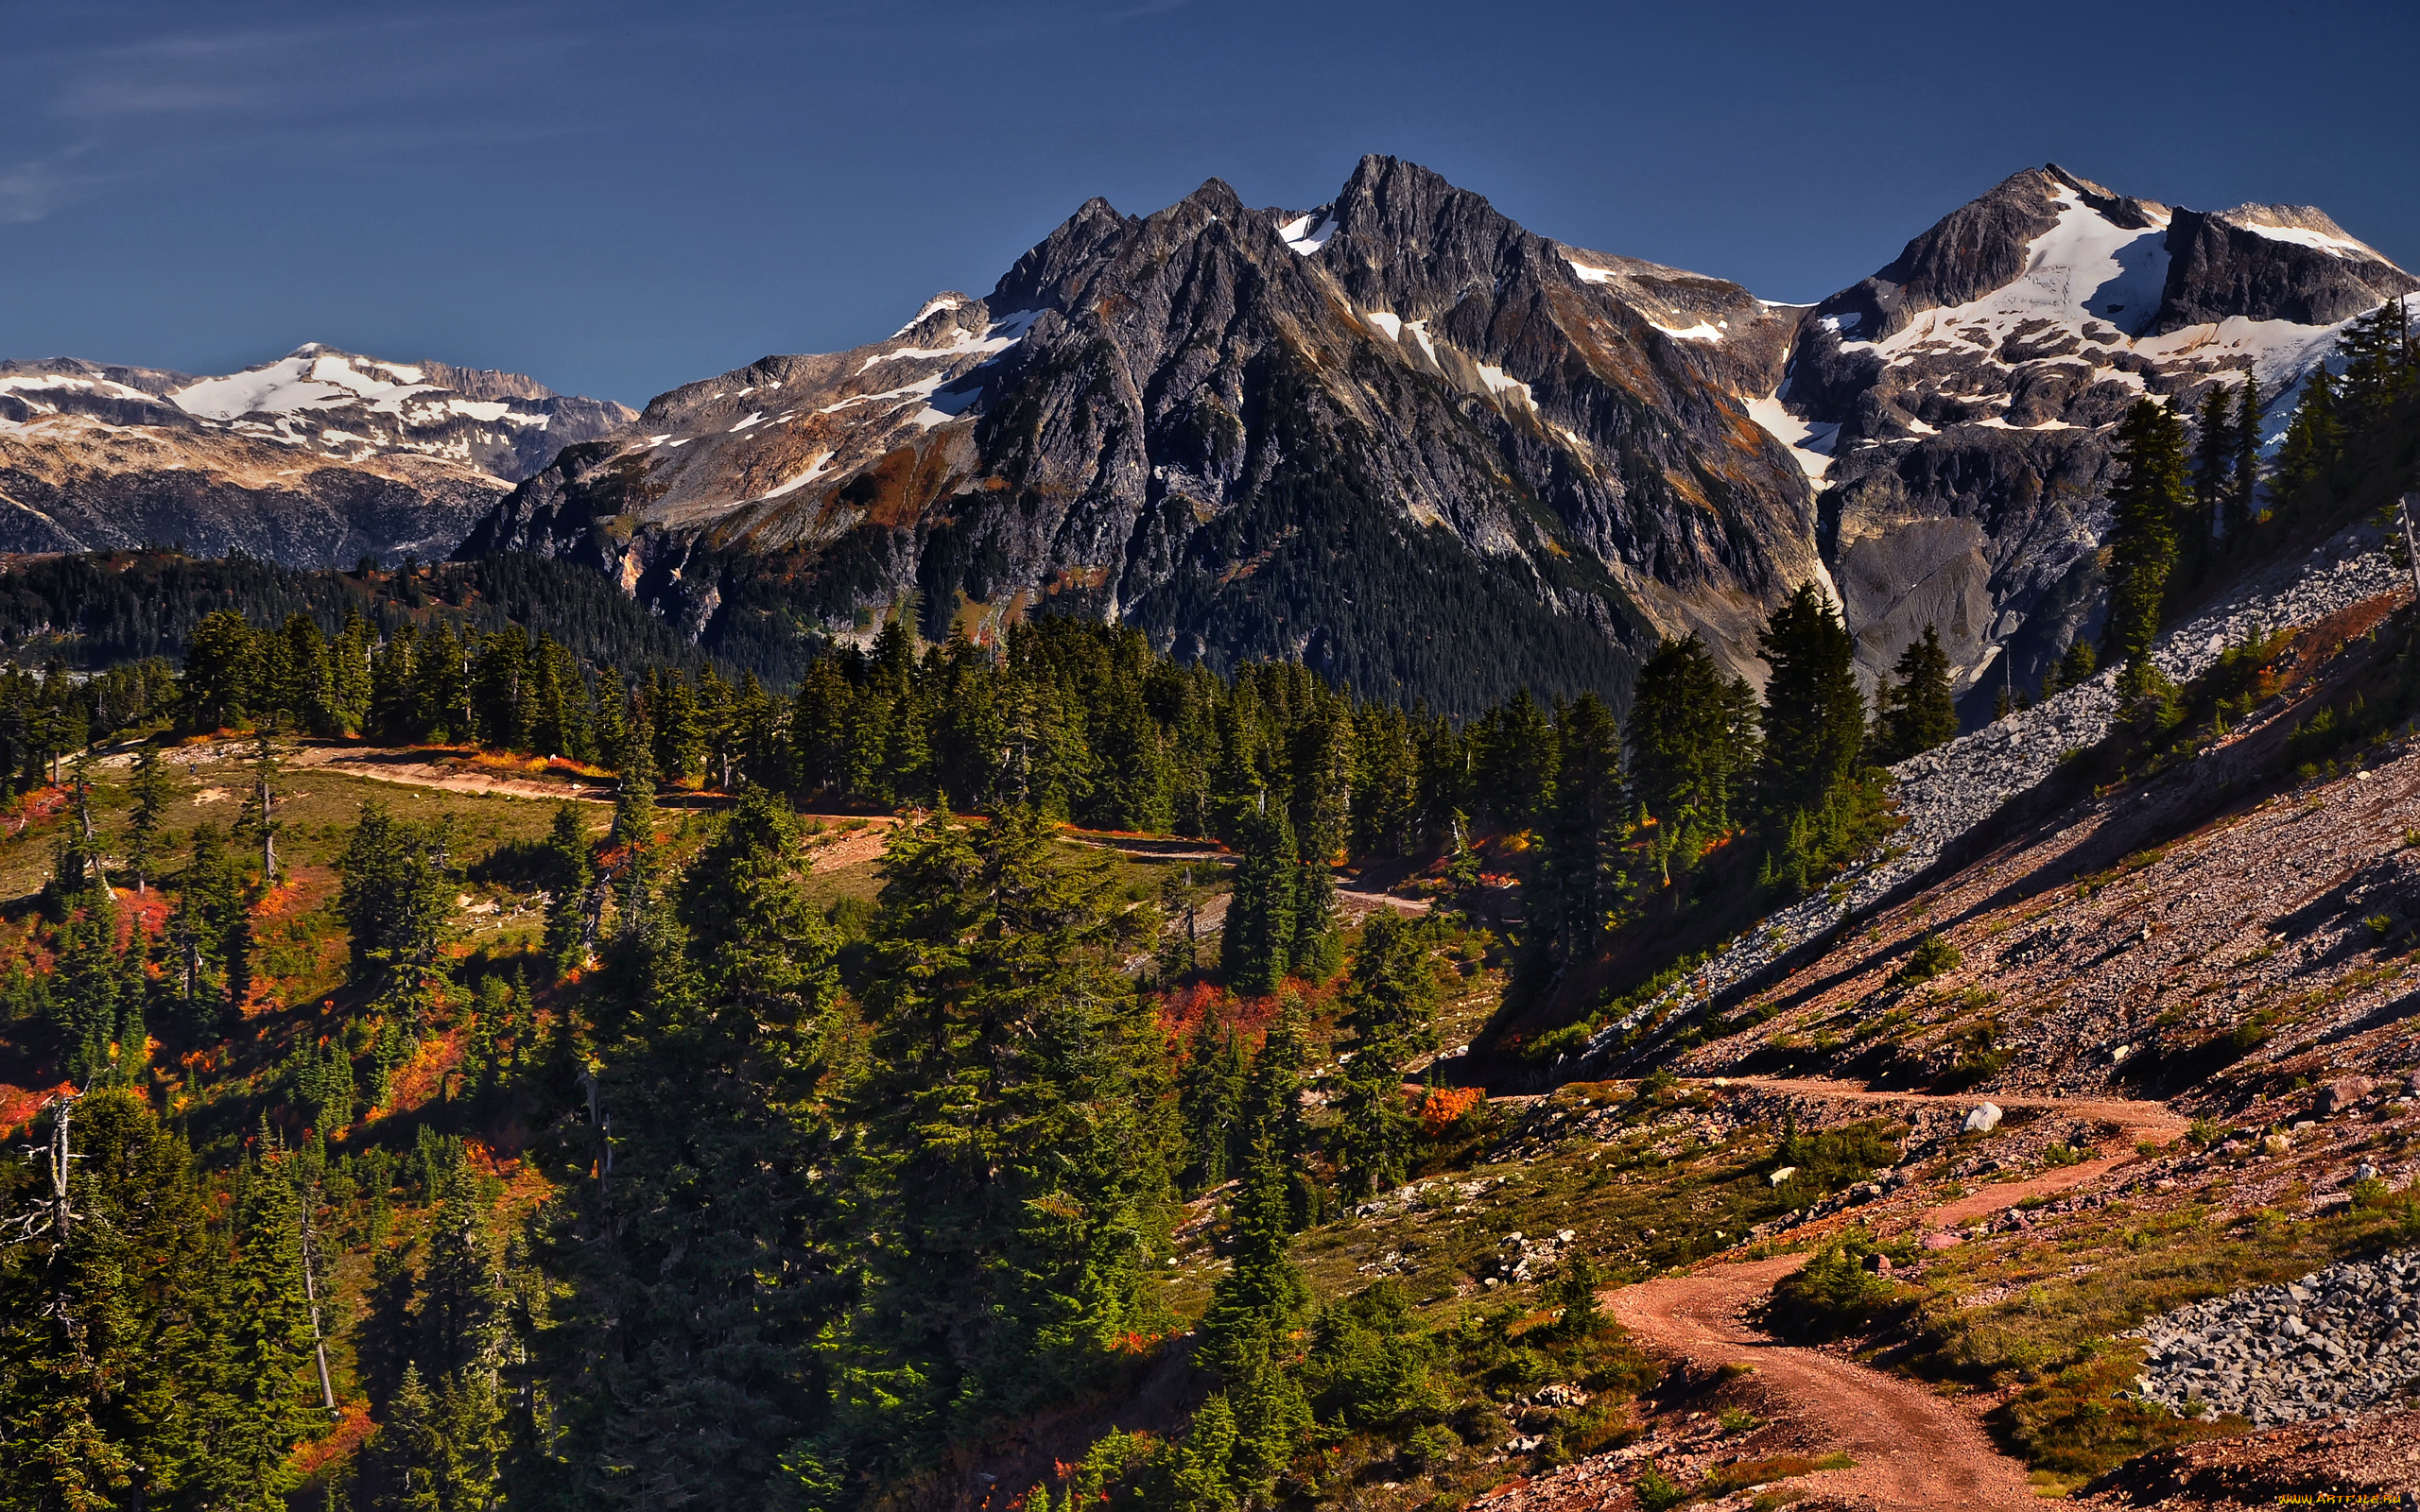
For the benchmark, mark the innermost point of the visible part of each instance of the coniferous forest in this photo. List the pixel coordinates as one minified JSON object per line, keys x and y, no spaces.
{"x":385,"y":1150}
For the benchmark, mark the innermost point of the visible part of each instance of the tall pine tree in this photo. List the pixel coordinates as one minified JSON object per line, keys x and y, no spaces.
{"x":2151,"y":493}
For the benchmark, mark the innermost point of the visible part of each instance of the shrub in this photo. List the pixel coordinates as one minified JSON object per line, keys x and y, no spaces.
{"x":2078,"y":1424}
{"x":1657,"y":1492}
{"x":1442,"y":1108}
{"x":1931,"y":957}
{"x":1833,"y":1294}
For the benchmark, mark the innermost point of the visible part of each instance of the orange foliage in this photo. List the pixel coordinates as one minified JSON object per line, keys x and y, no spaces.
{"x":1441,"y":1106}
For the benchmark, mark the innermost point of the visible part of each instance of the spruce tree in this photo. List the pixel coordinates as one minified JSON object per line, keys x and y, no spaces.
{"x":1575,"y":893}
{"x":573,"y":874}
{"x":2151,"y":493}
{"x":2314,"y":438}
{"x":1023,"y":1190}
{"x":1688,"y":752}
{"x":1256,"y":944}
{"x":1813,"y":738}
{"x":255,"y":1395}
{"x":1916,"y":712}
{"x":1246,"y":1333}
{"x":1390,"y":1006}
{"x":100,"y":1355}
{"x":2243,"y":491}
{"x":2214,"y":452}
{"x":151,"y":787}
{"x":1210,"y":1091}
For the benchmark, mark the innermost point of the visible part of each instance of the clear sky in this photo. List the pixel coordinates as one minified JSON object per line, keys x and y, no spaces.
{"x":617,"y":196}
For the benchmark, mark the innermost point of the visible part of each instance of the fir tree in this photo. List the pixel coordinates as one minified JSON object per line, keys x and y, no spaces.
{"x":1916,"y":712}
{"x":573,"y":874}
{"x":2314,"y":438}
{"x":151,"y":788}
{"x":2148,"y":496}
{"x":98,"y":1351}
{"x":2243,"y":492}
{"x":1390,"y":1004}
{"x":1813,"y":737}
{"x":2214,"y":452}
{"x":1257,"y":943}
{"x":1210,"y":1093}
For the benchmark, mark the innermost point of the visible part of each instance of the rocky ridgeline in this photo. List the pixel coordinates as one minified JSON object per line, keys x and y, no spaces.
{"x":2345,"y":1338}
{"x":1945,"y":792}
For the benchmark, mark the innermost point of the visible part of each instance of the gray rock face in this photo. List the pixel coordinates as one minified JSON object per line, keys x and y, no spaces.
{"x":2333,"y":1343}
{"x":1970,"y":386}
{"x":1363,"y":437}
{"x":317,"y":459}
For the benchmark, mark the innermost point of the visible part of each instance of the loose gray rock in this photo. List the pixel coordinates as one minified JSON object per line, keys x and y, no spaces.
{"x":2335,"y":1342}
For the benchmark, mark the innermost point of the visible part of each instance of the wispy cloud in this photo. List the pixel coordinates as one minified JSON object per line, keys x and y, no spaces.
{"x":33,"y":188}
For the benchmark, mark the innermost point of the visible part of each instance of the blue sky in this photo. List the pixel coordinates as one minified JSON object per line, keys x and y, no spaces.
{"x":617,"y":197}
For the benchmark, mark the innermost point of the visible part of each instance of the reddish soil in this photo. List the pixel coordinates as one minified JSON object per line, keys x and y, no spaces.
{"x":1913,"y":1451}
{"x":2136,"y":1122}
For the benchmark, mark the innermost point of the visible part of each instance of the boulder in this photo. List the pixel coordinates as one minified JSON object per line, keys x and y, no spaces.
{"x":1984,"y":1118}
{"x":2342,"y":1093}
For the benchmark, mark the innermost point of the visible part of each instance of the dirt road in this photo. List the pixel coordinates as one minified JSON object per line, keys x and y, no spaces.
{"x":1912,"y":1448}
{"x":2135,"y":1122}
{"x":1913,"y":1452}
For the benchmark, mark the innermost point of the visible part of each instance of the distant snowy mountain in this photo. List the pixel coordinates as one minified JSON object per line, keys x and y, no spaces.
{"x":1954,"y":407}
{"x":317,"y":458}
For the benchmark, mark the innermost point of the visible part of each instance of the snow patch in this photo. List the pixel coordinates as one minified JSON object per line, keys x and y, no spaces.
{"x":2303,"y":236}
{"x":1700,"y":331}
{"x":1808,"y":442}
{"x":823,"y":465}
{"x":1305,"y":238}
{"x":1501,"y":385}
{"x":938,"y":302}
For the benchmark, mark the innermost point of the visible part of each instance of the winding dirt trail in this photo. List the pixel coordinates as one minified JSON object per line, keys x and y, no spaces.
{"x":1912,"y":1448}
{"x":2135,"y":1122}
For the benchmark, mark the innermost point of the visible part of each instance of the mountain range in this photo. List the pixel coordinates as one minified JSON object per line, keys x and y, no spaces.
{"x":316,"y":459}
{"x":1397,"y":437}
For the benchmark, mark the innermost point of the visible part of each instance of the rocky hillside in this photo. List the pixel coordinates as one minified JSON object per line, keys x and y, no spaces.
{"x":316,"y":459}
{"x":1381,"y":433}
{"x":1363,"y":436}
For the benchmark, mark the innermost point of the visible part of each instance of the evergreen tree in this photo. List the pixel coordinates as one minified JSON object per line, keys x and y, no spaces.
{"x":151,"y":788}
{"x":1247,"y":1336}
{"x":1024,"y":1194}
{"x":210,"y":938}
{"x":1390,"y":1006}
{"x":1257,"y":943}
{"x":98,"y":1295}
{"x":2150,"y":494}
{"x":1576,"y":889}
{"x":1916,"y":712}
{"x":2243,"y":492}
{"x":2314,"y":438}
{"x":1210,"y":1093}
{"x":573,"y":876}
{"x":257,"y":1387}
{"x":1807,"y":779}
{"x":2214,"y":452}
{"x":706,"y":1235}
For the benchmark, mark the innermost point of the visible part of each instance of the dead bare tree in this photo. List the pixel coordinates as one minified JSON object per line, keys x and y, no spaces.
{"x":311,"y":1294}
